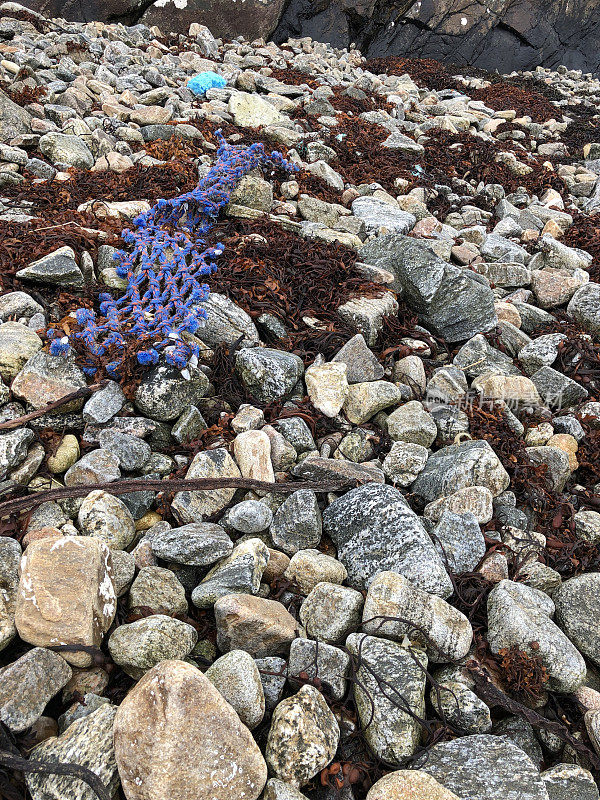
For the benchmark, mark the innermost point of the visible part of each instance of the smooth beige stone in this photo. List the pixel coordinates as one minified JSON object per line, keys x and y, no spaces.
{"x":66,"y":594}
{"x":260,"y":627}
{"x":177,"y":738}
{"x":327,"y":387}
{"x":252,"y":451}
{"x":409,"y":784}
{"x":509,"y":388}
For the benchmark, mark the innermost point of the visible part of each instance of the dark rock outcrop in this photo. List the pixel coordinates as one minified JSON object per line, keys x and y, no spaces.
{"x":496,"y":35}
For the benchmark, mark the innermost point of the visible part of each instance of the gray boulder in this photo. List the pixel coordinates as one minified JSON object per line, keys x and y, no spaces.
{"x":452,"y":302}
{"x":375,"y":530}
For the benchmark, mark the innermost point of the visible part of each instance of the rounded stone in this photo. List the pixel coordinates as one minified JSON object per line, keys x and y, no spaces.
{"x":303,"y":738}
{"x":176,"y":737}
{"x":105,"y":516}
{"x":237,"y":678}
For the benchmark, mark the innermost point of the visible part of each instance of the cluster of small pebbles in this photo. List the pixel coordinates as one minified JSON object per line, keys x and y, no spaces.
{"x":224,"y":644}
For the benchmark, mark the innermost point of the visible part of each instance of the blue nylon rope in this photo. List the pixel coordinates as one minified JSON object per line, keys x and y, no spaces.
{"x":164,"y":267}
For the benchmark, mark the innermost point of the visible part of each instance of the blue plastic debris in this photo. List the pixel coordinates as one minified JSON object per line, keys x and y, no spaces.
{"x":201,"y":83}
{"x":164,"y":269}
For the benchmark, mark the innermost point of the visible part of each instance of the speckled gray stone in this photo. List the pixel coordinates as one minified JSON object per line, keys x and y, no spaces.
{"x":319,"y":660}
{"x":273,"y":675}
{"x":237,"y":678}
{"x":484,"y":767}
{"x":461,"y":707}
{"x":28,"y":684}
{"x":459,"y":541}
{"x":297,"y":523}
{"x":570,"y":782}
{"x":577,"y":603}
{"x":164,"y":393}
{"x":87,"y":742}
{"x":375,"y":530}
{"x":331,"y":611}
{"x":268,"y":374}
{"x":471,"y":463}
{"x":197,"y":544}
{"x":104,"y":404}
{"x":388,"y":674}
{"x":239,"y":573}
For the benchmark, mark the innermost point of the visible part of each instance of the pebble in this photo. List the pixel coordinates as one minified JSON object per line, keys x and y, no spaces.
{"x":236,"y":676}
{"x":106,"y":517}
{"x":140,"y":645}
{"x":258,"y":626}
{"x":28,"y":684}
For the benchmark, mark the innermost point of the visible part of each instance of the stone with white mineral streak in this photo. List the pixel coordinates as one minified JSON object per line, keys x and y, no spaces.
{"x":66,"y":594}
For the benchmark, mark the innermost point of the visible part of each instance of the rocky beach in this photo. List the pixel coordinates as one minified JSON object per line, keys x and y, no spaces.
{"x":299,"y":421}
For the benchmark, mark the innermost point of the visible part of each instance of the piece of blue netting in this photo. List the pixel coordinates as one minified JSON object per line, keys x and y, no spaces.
{"x":164,"y":268}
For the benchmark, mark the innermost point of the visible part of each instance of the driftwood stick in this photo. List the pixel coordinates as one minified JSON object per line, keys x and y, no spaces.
{"x":20,"y":504}
{"x":79,"y":394}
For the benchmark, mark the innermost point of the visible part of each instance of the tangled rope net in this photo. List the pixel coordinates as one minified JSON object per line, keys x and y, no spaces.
{"x":164,"y":270}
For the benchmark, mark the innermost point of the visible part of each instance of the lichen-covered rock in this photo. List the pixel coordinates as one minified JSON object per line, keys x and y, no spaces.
{"x":303,"y":737}
{"x":390,"y":680}
{"x":140,"y":645}
{"x":87,"y":742}
{"x":268,"y":374}
{"x":176,"y":737}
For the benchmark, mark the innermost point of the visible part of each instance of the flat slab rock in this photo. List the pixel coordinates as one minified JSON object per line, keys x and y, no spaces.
{"x":484,"y":767}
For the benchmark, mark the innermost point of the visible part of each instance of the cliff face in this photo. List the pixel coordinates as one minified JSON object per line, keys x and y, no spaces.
{"x":498,"y":34}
